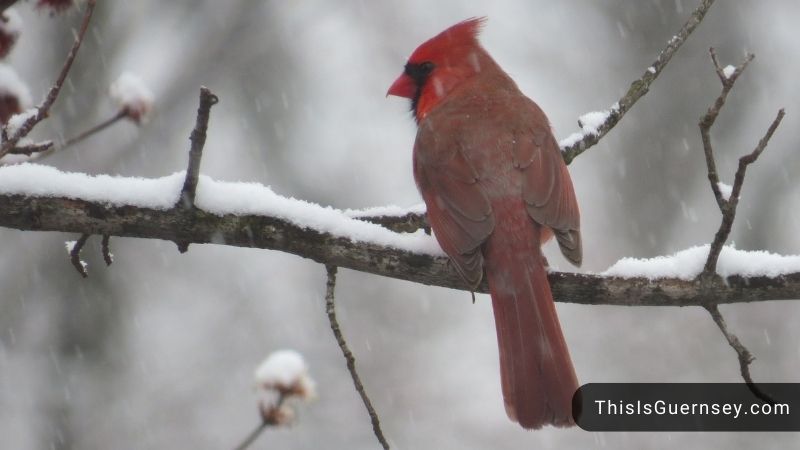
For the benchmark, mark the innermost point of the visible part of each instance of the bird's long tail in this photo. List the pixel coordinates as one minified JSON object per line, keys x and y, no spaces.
{"x":536,"y":371}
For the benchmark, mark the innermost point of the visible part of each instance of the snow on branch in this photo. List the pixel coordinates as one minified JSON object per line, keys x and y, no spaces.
{"x":40,"y":198}
{"x":578,"y":143}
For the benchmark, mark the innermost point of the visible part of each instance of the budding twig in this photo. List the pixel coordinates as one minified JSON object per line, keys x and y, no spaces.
{"x":266,"y":421}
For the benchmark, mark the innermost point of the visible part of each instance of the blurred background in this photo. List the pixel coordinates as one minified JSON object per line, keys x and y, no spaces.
{"x":158,"y":350}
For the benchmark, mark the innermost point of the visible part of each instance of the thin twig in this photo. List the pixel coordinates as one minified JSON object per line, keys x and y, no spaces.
{"x":707,"y":121}
{"x":198,"y":139}
{"x":266,"y":421}
{"x":727,"y":207}
{"x":107,"y":257}
{"x":75,"y":255}
{"x":639,"y":87}
{"x":745,"y":357}
{"x":30,"y":149}
{"x":348,"y":355}
{"x":47,"y":148}
{"x":252,"y":436}
{"x":43,"y":110}
{"x":95,"y":129}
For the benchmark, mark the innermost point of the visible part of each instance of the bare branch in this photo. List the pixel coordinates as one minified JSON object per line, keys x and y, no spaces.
{"x":727,"y":206}
{"x":107,"y":257}
{"x":75,"y":255}
{"x":47,"y":148}
{"x":640,"y":86}
{"x":330,"y":308}
{"x":30,"y":149}
{"x":744,"y":355}
{"x":43,"y":110}
{"x":198,"y":138}
{"x":707,"y":121}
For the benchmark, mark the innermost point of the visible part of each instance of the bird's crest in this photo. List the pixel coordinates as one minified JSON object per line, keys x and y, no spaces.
{"x":463,"y":34}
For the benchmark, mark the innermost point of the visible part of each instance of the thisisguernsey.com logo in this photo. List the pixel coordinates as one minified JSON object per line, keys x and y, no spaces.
{"x":687,"y":407}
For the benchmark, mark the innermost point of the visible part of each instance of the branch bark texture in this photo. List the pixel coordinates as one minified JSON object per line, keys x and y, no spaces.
{"x":199,"y":227}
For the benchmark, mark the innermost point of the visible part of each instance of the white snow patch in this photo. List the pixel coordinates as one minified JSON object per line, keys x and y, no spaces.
{"x":687,"y":264}
{"x":16,"y":121}
{"x":217,"y":197}
{"x":387,"y":211}
{"x":12,"y":85}
{"x":590,"y":125}
{"x":651,"y":69}
{"x":285,"y":371}
{"x":590,"y":122}
{"x":133,"y":95}
{"x":725,"y":189}
{"x":728,"y":71}
{"x":46,"y":181}
{"x":570,"y":140}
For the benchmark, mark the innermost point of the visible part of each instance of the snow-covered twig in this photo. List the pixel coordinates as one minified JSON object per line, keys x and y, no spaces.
{"x":728,"y":202}
{"x":330,"y":308}
{"x":43,"y":109}
{"x":637,"y":90}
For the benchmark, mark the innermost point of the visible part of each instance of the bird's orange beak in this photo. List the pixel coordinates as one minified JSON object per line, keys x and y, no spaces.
{"x":403,"y":86}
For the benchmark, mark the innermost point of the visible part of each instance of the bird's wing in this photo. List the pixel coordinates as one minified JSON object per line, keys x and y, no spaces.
{"x":547,"y":188}
{"x":458,"y":209}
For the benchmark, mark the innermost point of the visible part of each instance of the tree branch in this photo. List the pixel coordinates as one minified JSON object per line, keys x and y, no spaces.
{"x":41,"y":213}
{"x":727,"y":206}
{"x":43,"y":110}
{"x":640,"y":86}
{"x":198,"y":139}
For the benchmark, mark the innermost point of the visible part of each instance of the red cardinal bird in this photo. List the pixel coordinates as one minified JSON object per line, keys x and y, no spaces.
{"x":496,"y":188}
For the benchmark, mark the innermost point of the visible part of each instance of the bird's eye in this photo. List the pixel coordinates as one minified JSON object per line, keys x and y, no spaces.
{"x":419,"y":71}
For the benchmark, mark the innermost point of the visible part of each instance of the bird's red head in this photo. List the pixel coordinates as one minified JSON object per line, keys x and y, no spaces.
{"x":440,"y":64}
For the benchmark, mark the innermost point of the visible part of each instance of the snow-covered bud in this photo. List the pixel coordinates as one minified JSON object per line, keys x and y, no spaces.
{"x":10,"y":28}
{"x":286,"y":373}
{"x":134,"y":98}
{"x":14,"y":94}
